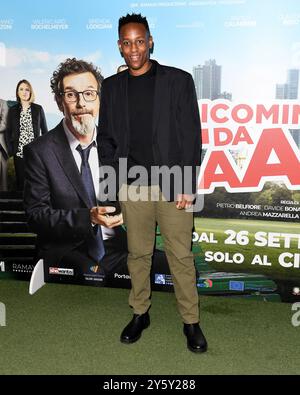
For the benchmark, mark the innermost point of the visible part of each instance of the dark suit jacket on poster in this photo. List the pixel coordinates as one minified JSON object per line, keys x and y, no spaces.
{"x":57,"y":205}
{"x":176,"y":122}
{"x":13,"y":125}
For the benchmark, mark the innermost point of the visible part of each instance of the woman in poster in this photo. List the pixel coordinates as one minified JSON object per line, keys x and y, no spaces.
{"x":26,"y":121}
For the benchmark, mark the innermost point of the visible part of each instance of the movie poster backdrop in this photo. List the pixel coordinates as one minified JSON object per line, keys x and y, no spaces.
{"x":244,"y":56}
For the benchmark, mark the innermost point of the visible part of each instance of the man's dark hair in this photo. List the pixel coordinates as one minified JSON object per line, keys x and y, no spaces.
{"x":133,"y":18}
{"x":72,"y":66}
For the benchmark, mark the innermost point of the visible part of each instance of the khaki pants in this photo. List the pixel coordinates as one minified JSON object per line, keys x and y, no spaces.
{"x":176,"y":226}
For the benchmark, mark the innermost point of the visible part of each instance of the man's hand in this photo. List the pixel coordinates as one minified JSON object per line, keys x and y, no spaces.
{"x":99,"y":215}
{"x":184,"y":201}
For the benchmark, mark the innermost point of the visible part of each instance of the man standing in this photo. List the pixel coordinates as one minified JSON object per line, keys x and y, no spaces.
{"x":149,"y":115}
{"x":3,"y":148}
{"x":61,"y":189}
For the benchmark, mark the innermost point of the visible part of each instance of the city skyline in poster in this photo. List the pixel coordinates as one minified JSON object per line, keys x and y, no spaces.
{"x":254,"y":42}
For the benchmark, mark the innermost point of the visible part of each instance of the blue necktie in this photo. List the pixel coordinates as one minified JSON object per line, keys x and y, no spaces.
{"x":95,"y":243}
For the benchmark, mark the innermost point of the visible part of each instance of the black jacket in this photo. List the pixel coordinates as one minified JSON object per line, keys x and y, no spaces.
{"x":176,"y":122}
{"x":12,"y":133}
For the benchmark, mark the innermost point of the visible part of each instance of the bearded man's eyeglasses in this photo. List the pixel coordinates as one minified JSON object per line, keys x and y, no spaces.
{"x":73,"y":96}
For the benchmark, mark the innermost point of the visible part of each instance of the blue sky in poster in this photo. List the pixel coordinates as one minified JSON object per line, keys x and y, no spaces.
{"x":255,"y":41}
